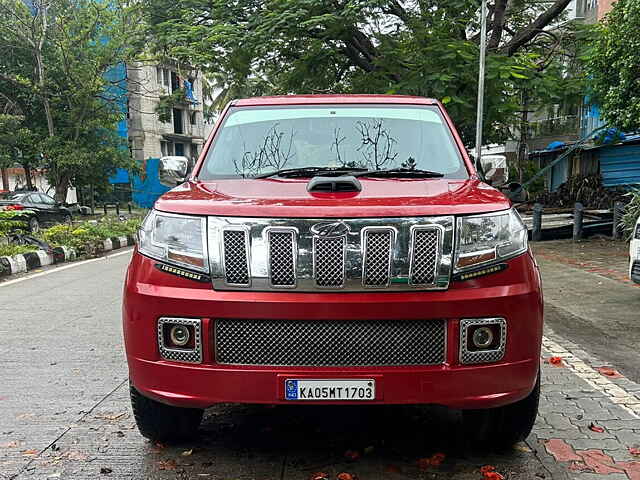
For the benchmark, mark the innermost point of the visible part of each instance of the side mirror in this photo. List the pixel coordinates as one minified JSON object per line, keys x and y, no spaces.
{"x":494,"y":169}
{"x":173,"y":170}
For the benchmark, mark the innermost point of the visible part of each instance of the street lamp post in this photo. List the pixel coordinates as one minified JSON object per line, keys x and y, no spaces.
{"x":483,"y":51}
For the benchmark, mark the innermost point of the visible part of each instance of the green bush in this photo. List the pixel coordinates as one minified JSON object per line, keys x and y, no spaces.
{"x":10,"y":250}
{"x":89,"y":236}
{"x":8,"y":222}
{"x":631,"y":212}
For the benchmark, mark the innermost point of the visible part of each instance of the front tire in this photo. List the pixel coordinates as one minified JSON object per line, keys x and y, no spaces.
{"x":502,"y":427}
{"x":164,"y":423}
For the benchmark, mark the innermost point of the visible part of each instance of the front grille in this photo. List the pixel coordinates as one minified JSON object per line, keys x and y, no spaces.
{"x":236,"y":260}
{"x":635,"y":271}
{"x":378,"y":251}
{"x":330,"y":342}
{"x":328,"y":261}
{"x":424,"y":256}
{"x":282,"y":264}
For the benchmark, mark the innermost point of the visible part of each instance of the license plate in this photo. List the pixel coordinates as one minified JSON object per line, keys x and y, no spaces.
{"x":349,"y":389}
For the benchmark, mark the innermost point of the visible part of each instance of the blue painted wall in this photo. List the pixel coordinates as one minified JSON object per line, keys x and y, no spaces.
{"x":619,"y":165}
{"x":146,"y":191}
{"x":117,"y":90}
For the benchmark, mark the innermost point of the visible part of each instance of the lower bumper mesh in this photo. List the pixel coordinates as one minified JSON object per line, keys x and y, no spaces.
{"x":330,"y":342}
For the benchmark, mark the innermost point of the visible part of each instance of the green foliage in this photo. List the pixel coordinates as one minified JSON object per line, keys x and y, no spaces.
{"x":11,"y":250}
{"x":529,"y":169}
{"x":88,"y":236}
{"x":631,"y":212}
{"x":259,"y":47}
{"x":57,"y":75}
{"x":9,"y":221}
{"x":167,"y":103}
{"x":612,"y":65}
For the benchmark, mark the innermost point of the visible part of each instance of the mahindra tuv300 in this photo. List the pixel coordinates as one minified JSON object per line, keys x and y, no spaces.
{"x":333,"y":250}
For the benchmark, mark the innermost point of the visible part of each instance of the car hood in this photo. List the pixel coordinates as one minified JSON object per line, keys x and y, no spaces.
{"x":289,"y":198}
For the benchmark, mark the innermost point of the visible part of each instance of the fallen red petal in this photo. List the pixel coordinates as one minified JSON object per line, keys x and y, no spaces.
{"x":609,"y":372}
{"x":493,"y":476}
{"x":319,"y":476}
{"x":596,"y":428}
{"x":346,"y":476}
{"x":437,"y":459}
{"x":634,"y":451}
{"x":487,"y":468}
{"x":352,"y":455}
{"x":556,"y":361}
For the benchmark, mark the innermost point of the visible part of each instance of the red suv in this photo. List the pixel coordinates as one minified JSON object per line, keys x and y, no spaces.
{"x":335,"y":250}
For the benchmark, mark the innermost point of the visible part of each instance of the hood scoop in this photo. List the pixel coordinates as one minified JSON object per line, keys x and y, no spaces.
{"x":343,"y":184}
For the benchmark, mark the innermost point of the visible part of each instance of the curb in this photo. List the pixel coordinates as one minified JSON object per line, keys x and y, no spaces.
{"x":24,"y":262}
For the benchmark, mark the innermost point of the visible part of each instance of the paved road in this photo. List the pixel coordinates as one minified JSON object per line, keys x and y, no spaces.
{"x":65,"y":411}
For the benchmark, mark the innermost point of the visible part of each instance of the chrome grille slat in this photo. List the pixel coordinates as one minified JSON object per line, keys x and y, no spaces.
{"x":377,"y":256}
{"x":236,"y":257}
{"x":424,"y":255}
{"x":328,"y":261}
{"x":330,"y":342}
{"x":282,"y":261}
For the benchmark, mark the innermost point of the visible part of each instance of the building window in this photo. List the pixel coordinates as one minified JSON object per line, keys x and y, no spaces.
{"x":178,"y":126}
{"x":165,"y":77}
{"x":179,"y":147}
{"x":194,"y":118}
{"x":163,"y":149}
{"x":159,"y":75}
{"x":175,"y":82}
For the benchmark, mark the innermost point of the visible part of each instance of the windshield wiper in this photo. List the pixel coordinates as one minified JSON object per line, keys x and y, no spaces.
{"x":400,"y":172}
{"x":310,"y":171}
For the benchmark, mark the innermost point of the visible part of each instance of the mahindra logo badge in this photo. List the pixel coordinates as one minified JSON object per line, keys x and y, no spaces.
{"x":333,"y":229}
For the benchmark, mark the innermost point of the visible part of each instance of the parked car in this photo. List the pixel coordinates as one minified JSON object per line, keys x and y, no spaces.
{"x":333,"y":250}
{"x":40,"y":208}
{"x":634,"y":254}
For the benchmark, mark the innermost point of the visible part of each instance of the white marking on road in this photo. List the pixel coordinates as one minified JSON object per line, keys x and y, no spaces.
{"x":59,"y":269}
{"x":595,"y":379}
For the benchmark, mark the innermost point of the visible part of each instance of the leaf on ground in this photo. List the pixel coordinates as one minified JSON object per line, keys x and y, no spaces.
{"x":158,"y":447}
{"x":555,"y":361}
{"x":521,"y":447}
{"x":392,"y":469}
{"x":609,"y":372}
{"x":346,"y":476}
{"x":77,"y":456}
{"x":104,"y":416}
{"x":319,"y":476}
{"x":105,"y":470}
{"x":634,"y":451}
{"x":352,"y":455}
{"x":187,"y":453}
{"x":31,"y":451}
{"x":596,"y":428}
{"x":433,"y":461}
{"x":166,"y":465}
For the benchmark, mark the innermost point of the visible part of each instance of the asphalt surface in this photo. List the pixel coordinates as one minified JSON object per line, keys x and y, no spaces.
{"x":65,"y":410}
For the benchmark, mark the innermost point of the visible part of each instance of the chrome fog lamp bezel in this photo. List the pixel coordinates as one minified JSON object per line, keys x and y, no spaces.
{"x":467,"y":357}
{"x":186,"y":355}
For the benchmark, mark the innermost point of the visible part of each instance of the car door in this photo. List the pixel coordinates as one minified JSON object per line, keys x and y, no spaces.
{"x":34,"y":203}
{"x":50,"y":208}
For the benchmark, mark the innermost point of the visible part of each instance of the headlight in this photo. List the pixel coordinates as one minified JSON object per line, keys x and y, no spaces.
{"x":176,"y":239}
{"x":489,"y":238}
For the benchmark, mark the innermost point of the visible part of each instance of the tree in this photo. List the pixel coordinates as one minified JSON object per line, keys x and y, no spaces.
{"x":417,"y":47}
{"x":59,"y":54}
{"x":613,"y":65}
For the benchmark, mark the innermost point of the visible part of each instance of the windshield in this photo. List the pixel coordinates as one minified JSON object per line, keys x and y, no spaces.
{"x":259,"y":140}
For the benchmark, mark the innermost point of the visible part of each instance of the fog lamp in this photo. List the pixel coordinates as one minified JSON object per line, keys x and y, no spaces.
{"x":482,"y":337}
{"x":179,"y":335}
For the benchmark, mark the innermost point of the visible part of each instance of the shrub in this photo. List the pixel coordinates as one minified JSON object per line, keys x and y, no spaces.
{"x":10,"y":250}
{"x":8,"y":222}
{"x":89,"y":236}
{"x":631,"y":212}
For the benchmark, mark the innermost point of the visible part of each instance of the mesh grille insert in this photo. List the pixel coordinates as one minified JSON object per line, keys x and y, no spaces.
{"x":377,"y":256}
{"x":330,"y":342}
{"x":281,"y":258}
{"x":236,"y":263}
{"x":328,"y":261}
{"x":424,"y":256}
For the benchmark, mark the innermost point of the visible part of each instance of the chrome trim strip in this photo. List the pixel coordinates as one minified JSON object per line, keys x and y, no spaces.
{"x":392,"y":248}
{"x":294,"y":253}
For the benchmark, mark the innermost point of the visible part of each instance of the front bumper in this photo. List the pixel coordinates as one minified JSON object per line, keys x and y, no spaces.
{"x":513,"y":294}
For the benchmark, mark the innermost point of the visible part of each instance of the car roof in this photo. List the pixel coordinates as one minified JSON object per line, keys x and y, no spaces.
{"x":332,"y":99}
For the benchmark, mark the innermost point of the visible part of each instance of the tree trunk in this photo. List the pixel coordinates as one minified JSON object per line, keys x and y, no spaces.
{"x":5,"y":178}
{"x":27,"y":177}
{"x":62,"y":187}
{"x":524,"y":130}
